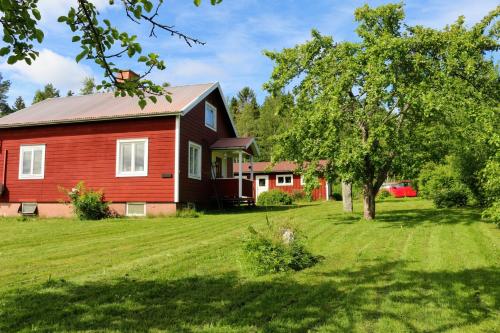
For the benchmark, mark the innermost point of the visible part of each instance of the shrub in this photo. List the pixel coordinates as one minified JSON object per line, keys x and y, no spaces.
{"x":277,"y":250}
{"x":492,"y":213}
{"x":442,"y":184}
{"x":274,"y":198}
{"x":88,"y":204}
{"x":337,"y":196}
{"x":298,"y":195}
{"x":383,"y":194}
{"x":455,"y":196}
{"x":187,"y":213}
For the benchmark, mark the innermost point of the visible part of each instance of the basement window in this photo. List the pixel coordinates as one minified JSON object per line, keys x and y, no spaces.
{"x":284,"y":180}
{"x":32,"y":162}
{"x":29,"y":208}
{"x":136,"y":209}
{"x":132,"y":158}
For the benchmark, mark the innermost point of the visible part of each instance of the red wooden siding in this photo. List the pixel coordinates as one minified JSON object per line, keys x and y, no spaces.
{"x":317,"y":194}
{"x":193,"y":129}
{"x":88,"y":152}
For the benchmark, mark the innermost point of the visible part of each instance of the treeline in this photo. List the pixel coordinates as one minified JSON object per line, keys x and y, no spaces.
{"x":48,"y":91}
{"x":263,"y":122}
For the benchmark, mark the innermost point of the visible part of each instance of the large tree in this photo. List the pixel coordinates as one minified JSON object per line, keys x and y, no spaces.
{"x":99,"y":39}
{"x":19,"y":104}
{"x":48,"y":91}
{"x":88,"y":86}
{"x":360,"y":104}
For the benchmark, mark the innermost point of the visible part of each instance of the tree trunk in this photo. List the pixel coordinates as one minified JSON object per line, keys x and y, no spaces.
{"x":347,"y":196}
{"x":368,"y":202}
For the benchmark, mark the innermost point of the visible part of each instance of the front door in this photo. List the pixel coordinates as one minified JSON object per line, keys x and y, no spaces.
{"x":261,"y":184}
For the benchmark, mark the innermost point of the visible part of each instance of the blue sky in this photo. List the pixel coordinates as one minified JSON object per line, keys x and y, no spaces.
{"x":236,"y":32}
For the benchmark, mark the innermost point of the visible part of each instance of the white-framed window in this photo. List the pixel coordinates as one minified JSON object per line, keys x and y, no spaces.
{"x":32,"y":162}
{"x":302,"y":180}
{"x":132,"y":158}
{"x":194,"y":161}
{"x":284,"y":180}
{"x":135,"y":209}
{"x":210,"y":116}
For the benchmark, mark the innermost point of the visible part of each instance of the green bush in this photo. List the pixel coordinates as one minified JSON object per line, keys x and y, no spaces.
{"x":442,"y":184}
{"x":337,"y":196}
{"x":383,"y":194}
{"x":88,"y":204}
{"x":455,"y":196}
{"x":187,"y":213}
{"x":492,"y":213}
{"x":268,"y":252}
{"x":298,"y":195}
{"x":491,"y":184}
{"x":274,"y":198}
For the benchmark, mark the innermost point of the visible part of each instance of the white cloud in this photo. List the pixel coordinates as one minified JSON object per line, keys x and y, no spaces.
{"x":49,"y":67}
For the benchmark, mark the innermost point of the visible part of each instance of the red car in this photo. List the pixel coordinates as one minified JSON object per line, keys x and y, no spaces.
{"x":399,"y":189}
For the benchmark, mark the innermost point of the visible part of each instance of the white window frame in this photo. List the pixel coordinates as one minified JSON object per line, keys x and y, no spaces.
{"x":31,"y":148}
{"x":302,"y":180}
{"x":284,"y":184}
{"x":200,"y":158}
{"x":134,"y":173}
{"x":136,"y":203}
{"x":214,"y":109}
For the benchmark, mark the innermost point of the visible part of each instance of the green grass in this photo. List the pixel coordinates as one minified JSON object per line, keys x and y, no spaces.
{"x":416,"y":269}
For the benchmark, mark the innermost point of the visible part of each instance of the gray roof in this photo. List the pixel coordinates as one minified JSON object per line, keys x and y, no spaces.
{"x":103,"y":106}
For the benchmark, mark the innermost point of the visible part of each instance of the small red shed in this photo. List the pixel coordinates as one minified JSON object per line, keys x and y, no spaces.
{"x":282,"y":176}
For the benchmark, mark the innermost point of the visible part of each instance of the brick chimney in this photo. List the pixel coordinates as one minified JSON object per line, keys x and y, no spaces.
{"x":126,"y":75}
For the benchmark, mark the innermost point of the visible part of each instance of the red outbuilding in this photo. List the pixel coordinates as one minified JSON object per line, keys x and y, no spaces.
{"x":146,"y":161}
{"x":282,"y":176}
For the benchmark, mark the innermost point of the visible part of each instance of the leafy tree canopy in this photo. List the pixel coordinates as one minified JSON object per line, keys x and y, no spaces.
{"x":361,"y":104}
{"x":4,"y":90}
{"x":49,"y":91}
{"x":88,"y":86}
{"x":19,"y":104}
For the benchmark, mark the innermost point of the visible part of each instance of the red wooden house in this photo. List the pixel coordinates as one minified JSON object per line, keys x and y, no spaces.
{"x":146,"y":161}
{"x":282,"y":176}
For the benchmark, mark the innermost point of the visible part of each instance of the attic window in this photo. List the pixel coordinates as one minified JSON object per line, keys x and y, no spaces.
{"x":210,"y":116}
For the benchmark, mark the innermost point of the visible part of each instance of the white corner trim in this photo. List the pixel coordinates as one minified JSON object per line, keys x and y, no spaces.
{"x":176,"y":157}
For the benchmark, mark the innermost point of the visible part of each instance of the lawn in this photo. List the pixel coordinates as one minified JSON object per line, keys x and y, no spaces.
{"x":416,"y":269}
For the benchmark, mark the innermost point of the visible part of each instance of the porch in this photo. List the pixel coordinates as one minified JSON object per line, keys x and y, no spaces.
{"x":227,"y":188}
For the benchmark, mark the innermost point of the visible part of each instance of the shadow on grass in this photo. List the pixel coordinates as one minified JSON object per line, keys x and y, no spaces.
{"x":252,"y":209}
{"x":416,"y":217}
{"x":342,"y":300}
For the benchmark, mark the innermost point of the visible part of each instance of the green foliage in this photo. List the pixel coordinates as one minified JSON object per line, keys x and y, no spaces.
{"x":364,"y":105}
{"x":267,"y":252}
{"x":383,"y":194}
{"x":491,"y":185}
{"x":274,"y":198}
{"x":298,"y":195}
{"x":99,"y":40}
{"x":88,"y":86}
{"x":442,"y":184}
{"x":49,"y":91}
{"x":19,"y":104}
{"x":88,"y":204}
{"x":337,"y":196}
{"x":187,"y":213}
{"x":4,"y":90}
{"x":492,"y":213}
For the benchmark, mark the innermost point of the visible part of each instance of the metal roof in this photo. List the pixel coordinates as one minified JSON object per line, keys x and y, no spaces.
{"x":103,"y":106}
{"x":269,"y":167}
{"x":235,"y":143}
